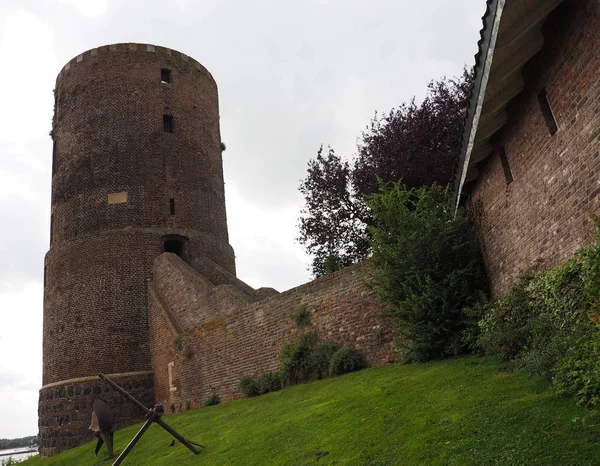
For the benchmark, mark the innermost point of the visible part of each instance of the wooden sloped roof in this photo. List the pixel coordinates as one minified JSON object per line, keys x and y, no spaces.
{"x":510,"y":37}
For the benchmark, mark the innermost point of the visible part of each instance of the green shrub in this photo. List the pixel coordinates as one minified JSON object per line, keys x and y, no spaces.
{"x":301,"y":316}
{"x":506,"y":325}
{"x":179,"y":344}
{"x":578,"y":373}
{"x":268,"y":382}
{"x":427,"y":268}
{"x":249,"y":387}
{"x":345,"y":360}
{"x":296,"y":358}
{"x":548,"y":325}
{"x":332,"y":263}
{"x":320,"y":358}
{"x":212,"y":400}
{"x":472,"y":317}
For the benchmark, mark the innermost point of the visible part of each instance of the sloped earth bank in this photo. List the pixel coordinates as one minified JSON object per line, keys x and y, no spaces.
{"x":465,"y":411}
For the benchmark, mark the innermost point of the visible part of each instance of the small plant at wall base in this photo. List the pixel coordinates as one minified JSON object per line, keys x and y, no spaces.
{"x":268,"y":382}
{"x":427,"y":268}
{"x":320,"y":357}
{"x":302,"y":359}
{"x":344,"y":361}
{"x":301,"y":316}
{"x":212,"y":400}
{"x":249,"y":387}
{"x":295,"y":358}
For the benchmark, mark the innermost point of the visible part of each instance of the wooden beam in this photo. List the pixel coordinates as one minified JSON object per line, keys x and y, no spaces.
{"x":497,"y":102}
{"x":517,"y":56}
{"x":489,"y":126}
{"x":534,"y":16}
{"x":481,"y":151}
{"x":472,"y":173}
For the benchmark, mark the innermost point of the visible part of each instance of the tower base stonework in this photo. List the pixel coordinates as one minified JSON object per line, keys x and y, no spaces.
{"x":65,"y":408}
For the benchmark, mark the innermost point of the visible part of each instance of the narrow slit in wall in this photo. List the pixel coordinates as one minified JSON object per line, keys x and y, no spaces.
{"x":547,"y":112}
{"x":165,"y":75}
{"x":168,"y":123}
{"x":505,"y":166}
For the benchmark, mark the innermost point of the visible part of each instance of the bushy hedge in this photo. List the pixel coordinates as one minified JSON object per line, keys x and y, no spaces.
{"x":303,"y":359}
{"x":249,"y":387}
{"x":427,"y":268}
{"x":320,"y":358}
{"x":212,"y":400}
{"x":344,"y":361}
{"x":549,"y":325}
{"x":268,"y":382}
{"x":296,"y":358}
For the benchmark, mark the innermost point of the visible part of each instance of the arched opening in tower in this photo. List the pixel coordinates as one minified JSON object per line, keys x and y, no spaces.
{"x":175,"y":246}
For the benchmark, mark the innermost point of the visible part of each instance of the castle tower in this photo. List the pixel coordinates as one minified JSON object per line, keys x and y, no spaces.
{"x":136,"y":171}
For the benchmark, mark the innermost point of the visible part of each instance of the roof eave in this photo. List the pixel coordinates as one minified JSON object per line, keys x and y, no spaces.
{"x":483,"y":64}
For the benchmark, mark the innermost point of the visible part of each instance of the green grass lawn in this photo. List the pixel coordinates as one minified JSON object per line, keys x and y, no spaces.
{"x":465,"y":411}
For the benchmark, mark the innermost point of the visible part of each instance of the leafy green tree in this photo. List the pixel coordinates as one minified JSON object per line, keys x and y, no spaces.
{"x":427,"y":267}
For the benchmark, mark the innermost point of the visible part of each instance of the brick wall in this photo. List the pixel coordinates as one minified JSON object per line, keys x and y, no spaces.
{"x":65,"y":410}
{"x":109,"y":138}
{"x":116,"y":177}
{"x":224,"y":338}
{"x":543,"y":216}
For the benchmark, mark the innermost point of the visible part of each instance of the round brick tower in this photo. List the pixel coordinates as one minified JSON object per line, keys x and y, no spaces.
{"x":136,"y":171}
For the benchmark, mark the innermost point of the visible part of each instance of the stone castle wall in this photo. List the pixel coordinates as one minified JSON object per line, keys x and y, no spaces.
{"x":65,"y":409}
{"x":225,"y":335}
{"x":544,"y":215}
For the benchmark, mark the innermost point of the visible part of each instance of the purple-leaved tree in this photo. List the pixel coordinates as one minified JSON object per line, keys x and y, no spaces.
{"x":415,"y":143}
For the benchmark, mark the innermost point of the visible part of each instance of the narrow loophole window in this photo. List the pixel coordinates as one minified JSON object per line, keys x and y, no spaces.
{"x":165,"y":75}
{"x":547,"y":112}
{"x":168,"y":123}
{"x":505,"y":166}
{"x":172,"y":206}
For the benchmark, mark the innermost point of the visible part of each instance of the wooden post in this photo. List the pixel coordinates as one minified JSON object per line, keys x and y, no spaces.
{"x":153,"y":415}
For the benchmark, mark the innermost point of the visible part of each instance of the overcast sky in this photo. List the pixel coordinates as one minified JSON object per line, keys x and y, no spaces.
{"x":292,"y":75}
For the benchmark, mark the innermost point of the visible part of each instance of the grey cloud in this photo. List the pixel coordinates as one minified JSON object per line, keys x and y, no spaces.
{"x":280,"y":65}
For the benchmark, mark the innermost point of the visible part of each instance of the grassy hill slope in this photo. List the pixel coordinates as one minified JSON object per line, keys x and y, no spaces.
{"x":465,"y":411}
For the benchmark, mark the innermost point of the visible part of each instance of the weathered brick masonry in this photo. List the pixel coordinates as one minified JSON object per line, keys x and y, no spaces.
{"x":543,"y":216}
{"x":64,"y":409}
{"x":139,"y":254}
{"x":125,"y":187}
{"x":224,"y":334}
